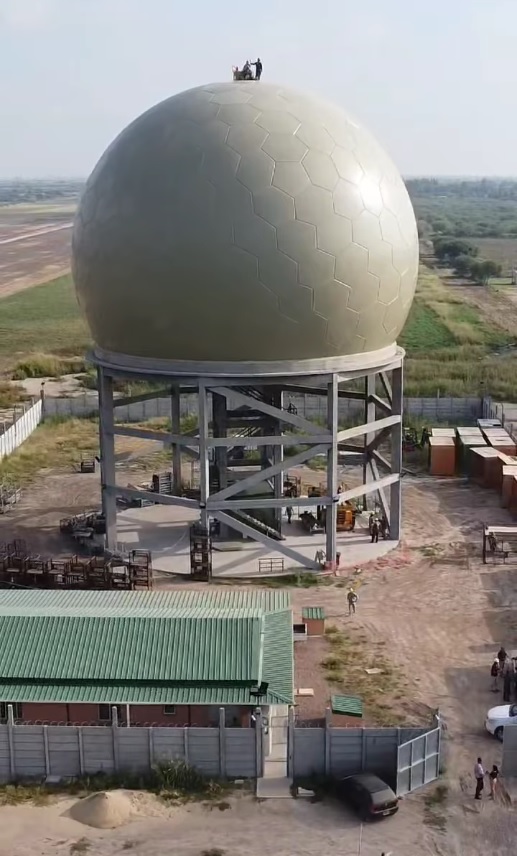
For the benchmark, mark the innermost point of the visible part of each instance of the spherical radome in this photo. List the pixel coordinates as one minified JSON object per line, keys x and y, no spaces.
{"x":245,"y":222}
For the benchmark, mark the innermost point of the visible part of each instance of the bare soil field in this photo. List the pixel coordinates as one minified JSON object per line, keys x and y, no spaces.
{"x":431,"y":610}
{"x":34,"y":260}
{"x":29,"y":253}
{"x":502,"y":250}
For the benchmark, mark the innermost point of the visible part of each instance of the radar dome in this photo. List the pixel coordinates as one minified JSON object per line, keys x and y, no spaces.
{"x":244,"y":222}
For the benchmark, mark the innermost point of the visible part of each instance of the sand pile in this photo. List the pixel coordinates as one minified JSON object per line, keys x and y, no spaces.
{"x":105,"y":810}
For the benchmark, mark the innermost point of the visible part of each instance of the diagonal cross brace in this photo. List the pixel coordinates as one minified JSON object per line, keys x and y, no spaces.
{"x":263,"y":475}
{"x":369,"y":428}
{"x":270,"y":543}
{"x":269,"y":410}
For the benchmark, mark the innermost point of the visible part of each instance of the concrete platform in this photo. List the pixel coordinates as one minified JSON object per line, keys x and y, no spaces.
{"x":274,"y":788}
{"x":164,"y":529}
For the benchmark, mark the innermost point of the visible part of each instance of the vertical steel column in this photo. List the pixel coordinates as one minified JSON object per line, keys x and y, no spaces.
{"x":397,"y":385}
{"x":332,"y":455}
{"x":278,"y":457}
{"x":220,"y":429}
{"x":107,"y":449}
{"x":369,"y":416}
{"x":204,"y":461}
{"x":176,"y":429}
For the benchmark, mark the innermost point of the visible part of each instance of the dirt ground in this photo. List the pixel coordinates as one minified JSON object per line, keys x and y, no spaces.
{"x":438,"y":614}
{"x":34,"y":260}
{"x":40,"y":256}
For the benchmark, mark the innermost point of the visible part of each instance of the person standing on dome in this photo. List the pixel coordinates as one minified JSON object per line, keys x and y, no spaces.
{"x":258,"y":68}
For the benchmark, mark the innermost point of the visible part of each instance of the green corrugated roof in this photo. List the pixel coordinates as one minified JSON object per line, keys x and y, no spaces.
{"x":88,"y":693}
{"x":346,"y":705}
{"x":313,"y":613}
{"x":127,"y":601}
{"x":171,"y":647}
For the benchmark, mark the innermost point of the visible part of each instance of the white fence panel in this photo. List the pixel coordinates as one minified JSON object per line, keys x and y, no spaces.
{"x":240,"y":753}
{"x":22,"y":427}
{"x":98,"y":750}
{"x":29,"y":752}
{"x":5,"y":755}
{"x":308,"y":752}
{"x":203,"y":750}
{"x":169,"y":744}
{"x":64,"y":753}
{"x":133,"y":749}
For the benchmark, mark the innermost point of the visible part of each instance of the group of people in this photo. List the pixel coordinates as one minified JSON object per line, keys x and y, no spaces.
{"x":245,"y":73}
{"x":504,"y":670}
{"x":479,"y":775}
{"x":377,"y":526}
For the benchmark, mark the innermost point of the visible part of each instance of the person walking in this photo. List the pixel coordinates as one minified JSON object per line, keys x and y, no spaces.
{"x":494,"y":674}
{"x":479,"y":775}
{"x":375,"y":532}
{"x":501,"y":656}
{"x":493,"y":777}
{"x":352,"y":600}
{"x":289,"y":513}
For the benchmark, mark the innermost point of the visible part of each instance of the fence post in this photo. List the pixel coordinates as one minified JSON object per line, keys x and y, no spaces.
{"x":259,"y":742}
{"x":291,"y":736}
{"x":80,"y":739}
{"x":114,"y":734}
{"x":363,"y":750}
{"x":328,"y":740}
{"x":47,"y":754}
{"x":10,"y":737}
{"x":151,"y":746}
{"x":222,"y":743}
{"x":185,"y":744}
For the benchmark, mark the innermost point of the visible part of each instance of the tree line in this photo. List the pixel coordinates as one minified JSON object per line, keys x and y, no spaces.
{"x":463,"y":258}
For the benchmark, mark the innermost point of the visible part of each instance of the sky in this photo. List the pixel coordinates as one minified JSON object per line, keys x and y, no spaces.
{"x":435,"y":82}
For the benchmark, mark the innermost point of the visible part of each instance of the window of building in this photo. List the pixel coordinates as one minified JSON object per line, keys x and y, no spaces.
{"x":17,"y":710}
{"x":169,"y":709}
{"x":105,"y":714}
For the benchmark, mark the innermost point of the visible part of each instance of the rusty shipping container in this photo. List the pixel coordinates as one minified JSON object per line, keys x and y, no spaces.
{"x":442,"y":456}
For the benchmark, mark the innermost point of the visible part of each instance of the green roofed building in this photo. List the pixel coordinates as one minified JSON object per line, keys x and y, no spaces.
{"x":163,"y":658}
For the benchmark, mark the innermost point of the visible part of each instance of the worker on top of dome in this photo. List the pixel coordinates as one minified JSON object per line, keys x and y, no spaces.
{"x":258,"y":68}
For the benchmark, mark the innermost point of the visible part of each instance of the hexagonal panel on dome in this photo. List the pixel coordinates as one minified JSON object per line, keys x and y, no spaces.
{"x":245,"y":222}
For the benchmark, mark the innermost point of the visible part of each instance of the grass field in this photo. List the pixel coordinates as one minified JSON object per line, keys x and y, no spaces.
{"x":41,"y":320}
{"x":451,"y":345}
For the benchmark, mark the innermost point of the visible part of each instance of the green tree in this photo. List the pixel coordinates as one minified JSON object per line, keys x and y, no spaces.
{"x":482,"y":271}
{"x":463,"y":265}
{"x":449,"y":249}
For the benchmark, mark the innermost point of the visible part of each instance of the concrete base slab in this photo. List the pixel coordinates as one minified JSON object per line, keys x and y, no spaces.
{"x":274,"y":788}
{"x":164,"y":530}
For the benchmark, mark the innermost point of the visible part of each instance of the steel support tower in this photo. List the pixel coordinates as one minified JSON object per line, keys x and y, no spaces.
{"x":243,"y":406}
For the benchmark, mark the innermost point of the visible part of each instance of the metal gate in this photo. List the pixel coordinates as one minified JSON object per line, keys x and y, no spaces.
{"x":418,"y":762}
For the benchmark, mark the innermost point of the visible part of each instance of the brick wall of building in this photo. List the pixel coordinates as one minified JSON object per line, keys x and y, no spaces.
{"x":201,"y":716}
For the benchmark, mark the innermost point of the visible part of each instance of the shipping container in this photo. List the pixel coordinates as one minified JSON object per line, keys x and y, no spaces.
{"x":503,"y":444}
{"x":464,"y":445}
{"x":442,"y":456}
{"x":468,"y":431}
{"x":509,"y":475}
{"x":483,"y":466}
{"x":443,"y":432}
{"x":489,"y":423}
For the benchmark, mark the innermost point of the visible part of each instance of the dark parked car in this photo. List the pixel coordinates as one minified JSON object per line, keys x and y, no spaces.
{"x":369,"y":795}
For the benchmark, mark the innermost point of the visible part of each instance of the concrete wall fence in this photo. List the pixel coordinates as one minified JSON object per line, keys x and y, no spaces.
{"x":39,"y":751}
{"x":453,"y":410}
{"x":344,"y":751}
{"x":25,"y":420}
